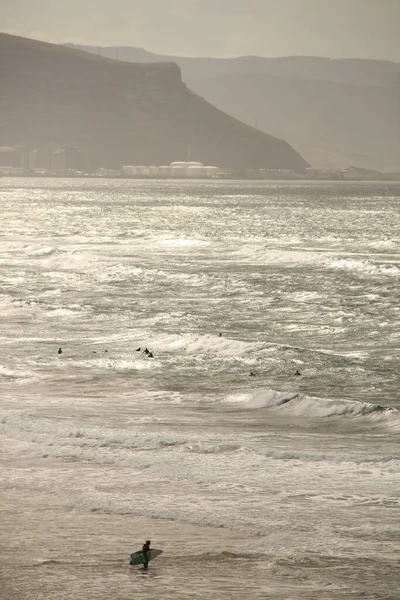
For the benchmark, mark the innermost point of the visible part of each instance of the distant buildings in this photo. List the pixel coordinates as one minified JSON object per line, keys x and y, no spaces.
{"x":276,"y":174}
{"x":12,"y":158}
{"x":68,"y":161}
{"x":175,"y":170}
{"x":349,"y":174}
{"x":103,"y":172}
{"x":40,"y":159}
{"x":48,"y":159}
{"x":55,"y":160}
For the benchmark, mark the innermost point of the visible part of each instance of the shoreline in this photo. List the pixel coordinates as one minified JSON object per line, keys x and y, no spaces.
{"x":52,"y":549}
{"x":202,"y":179}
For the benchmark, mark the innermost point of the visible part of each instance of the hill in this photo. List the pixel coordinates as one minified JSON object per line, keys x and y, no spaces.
{"x":121,"y":113}
{"x":334,"y":112}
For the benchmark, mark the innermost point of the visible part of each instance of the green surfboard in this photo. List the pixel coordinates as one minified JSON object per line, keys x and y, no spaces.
{"x":138,"y":558}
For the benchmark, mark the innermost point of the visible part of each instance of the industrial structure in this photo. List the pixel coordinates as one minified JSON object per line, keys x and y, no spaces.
{"x":175,"y":170}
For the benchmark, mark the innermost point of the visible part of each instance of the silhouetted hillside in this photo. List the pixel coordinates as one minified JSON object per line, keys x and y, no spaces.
{"x":334,"y":112}
{"x":331,"y":124}
{"x":121,"y":113}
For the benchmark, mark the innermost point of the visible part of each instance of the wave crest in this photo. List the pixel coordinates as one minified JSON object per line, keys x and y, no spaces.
{"x":301,"y":405}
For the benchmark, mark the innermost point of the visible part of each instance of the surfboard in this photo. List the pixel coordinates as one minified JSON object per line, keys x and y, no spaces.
{"x":138,"y":558}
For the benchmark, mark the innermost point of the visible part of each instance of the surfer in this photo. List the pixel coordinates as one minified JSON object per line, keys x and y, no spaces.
{"x":297,"y":372}
{"x":146,"y":351}
{"x":138,"y":349}
{"x":150,"y":355}
{"x":59,"y":351}
{"x":251,"y":374}
{"x":145,"y":550}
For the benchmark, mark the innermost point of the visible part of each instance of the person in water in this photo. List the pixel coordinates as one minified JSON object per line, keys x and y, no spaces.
{"x":145,"y":550}
{"x":59,"y":351}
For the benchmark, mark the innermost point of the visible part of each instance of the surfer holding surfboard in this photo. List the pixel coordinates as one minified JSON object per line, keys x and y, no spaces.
{"x":145,"y":550}
{"x":143,"y":556}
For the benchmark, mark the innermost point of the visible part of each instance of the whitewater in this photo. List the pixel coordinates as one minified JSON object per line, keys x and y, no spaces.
{"x":258,"y":447}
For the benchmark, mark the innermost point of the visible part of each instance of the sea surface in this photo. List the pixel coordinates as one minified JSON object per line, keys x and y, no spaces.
{"x":266,"y":486}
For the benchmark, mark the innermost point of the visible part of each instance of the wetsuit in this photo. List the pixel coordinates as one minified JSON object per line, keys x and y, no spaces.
{"x":145,"y":549}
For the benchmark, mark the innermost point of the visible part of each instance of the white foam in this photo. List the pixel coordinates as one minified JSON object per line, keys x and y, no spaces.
{"x":182,"y":242}
{"x":221,"y":345}
{"x":269,"y":398}
{"x":60,"y":312}
{"x":301,"y":405}
{"x":303,"y":296}
{"x":61,"y":436}
{"x":263,"y":254}
{"x":366,"y":266}
{"x":41,"y":251}
{"x":241,"y":398}
{"x":76,"y":261}
{"x":15,"y":373}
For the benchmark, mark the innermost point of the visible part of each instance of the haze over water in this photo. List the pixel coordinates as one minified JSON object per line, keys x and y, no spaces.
{"x":276,"y":485}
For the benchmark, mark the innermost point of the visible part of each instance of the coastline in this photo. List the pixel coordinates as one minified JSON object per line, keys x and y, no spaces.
{"x":301,"y":179}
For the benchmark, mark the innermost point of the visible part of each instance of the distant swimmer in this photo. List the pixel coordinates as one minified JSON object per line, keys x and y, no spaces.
{"x":252,"y":374}
{"x":297,"y":372}
{"x":146,"y":351}
{"x":150,"y":355}
{"x":138,"y":349}
{"x":220,"y":335}
{"x":59,"y":351}
{"x":105,"y":350}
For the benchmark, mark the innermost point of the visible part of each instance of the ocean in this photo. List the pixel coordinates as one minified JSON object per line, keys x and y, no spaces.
{"x":258,"y":446}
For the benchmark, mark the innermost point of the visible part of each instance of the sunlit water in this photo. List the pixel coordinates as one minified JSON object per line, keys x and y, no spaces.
{"x":276,"y":485}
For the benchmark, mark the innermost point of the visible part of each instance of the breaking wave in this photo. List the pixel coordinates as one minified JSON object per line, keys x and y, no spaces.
{"x":335,"y":457}
{"x":301,"y":405}
{"x":365,"y":266}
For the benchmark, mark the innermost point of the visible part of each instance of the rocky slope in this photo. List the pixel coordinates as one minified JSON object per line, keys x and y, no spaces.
{"x":334,"y":112}
{"x":121,"y":113}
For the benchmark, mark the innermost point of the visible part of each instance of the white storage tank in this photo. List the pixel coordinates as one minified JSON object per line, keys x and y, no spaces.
{"x":141,"y":170}
{"x":153,"y":171}
{"x":164,"y":171}
{"x":178,"y":163}
{"x":129,"y":170}
{"x":211,"y":171}
{"x":178,"y":171}
{"x":197,"y":171}
{"x":194,"y":164}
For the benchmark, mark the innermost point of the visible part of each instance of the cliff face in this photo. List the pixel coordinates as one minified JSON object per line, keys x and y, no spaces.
{"x":121,"y":113}
{"x":335,"y":112}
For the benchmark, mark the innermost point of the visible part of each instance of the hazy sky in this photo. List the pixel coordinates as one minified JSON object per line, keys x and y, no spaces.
{"x":335,"y":28}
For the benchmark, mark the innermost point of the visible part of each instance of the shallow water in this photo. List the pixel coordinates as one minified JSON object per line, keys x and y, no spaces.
{"x":273,"y":486}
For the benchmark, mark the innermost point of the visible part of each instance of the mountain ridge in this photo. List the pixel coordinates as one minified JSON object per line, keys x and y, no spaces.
{"x":122,"y":112}
{"x":335,"y":112}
